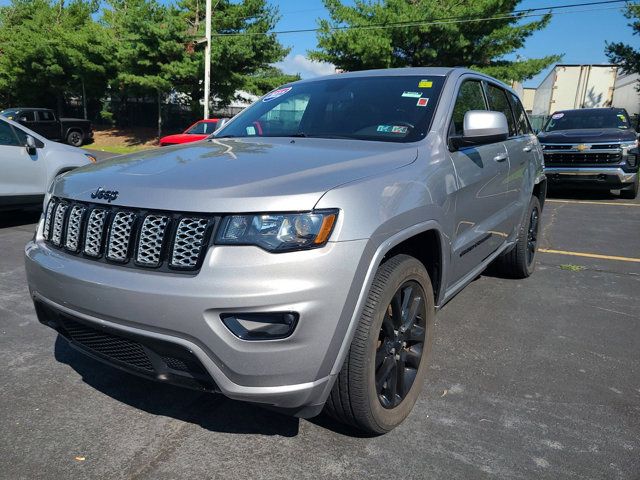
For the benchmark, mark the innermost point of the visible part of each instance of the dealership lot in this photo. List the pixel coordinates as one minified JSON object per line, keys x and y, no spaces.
{"x":538,"y":378}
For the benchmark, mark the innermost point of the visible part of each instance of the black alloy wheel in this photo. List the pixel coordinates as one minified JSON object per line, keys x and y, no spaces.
{"x":75,"y":138}
{"x":400,"y":344}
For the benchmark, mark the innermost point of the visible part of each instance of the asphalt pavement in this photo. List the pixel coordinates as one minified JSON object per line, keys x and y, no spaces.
{"x":538,"y":378}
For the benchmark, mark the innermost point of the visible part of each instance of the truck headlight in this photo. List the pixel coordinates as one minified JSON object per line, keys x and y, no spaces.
{"x":277,"y":232}
{"x":628,"y":146}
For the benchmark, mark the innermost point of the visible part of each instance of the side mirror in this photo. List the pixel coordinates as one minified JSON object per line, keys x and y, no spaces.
{"x":31,"y":145}
{"x":481,"y":127}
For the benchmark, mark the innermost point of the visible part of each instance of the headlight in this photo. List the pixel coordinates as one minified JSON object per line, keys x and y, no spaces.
{"x":278,"y":232}
{"x":628,"y":146}
{"x":91,"y":158}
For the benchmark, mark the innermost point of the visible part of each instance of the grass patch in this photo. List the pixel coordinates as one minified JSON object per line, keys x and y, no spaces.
{"x":118,"y":149}
{"x":572,"y":268}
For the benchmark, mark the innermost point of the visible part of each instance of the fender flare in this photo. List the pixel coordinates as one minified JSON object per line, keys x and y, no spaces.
{"x":374,"y":263}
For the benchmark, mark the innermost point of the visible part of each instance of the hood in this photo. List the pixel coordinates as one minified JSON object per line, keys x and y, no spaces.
{"x":235,"y":175}
{"x":590,"y":135}
{"x":181,"y":137}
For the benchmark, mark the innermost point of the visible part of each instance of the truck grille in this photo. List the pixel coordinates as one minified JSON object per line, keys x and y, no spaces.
{"x":129,"y":237}
{"x":571,"y":158}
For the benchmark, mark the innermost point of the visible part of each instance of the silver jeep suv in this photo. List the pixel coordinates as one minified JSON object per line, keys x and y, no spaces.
{"x":297,"y":258}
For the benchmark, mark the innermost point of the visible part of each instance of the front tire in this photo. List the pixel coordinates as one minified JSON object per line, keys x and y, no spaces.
{"x":75,"y":138}
{"x":385,"y":367}
{"x":631,"y":192}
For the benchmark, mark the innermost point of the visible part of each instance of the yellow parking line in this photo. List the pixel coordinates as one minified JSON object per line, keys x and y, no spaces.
{"x":594,"y":202}
{"x":590,"y":255}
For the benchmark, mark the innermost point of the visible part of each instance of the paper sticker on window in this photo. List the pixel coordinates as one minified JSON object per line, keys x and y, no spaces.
{"x":384,"y":128}
{"x":251,"y":130}
{"x":399,"y":129}
{"x":412,"y":94}
{"x":392,"y":129}
{"x":422,"y":102}
{"x":557,"y":116}
{"x":276,"y":94}
{"x":622,"y":117}
{"x":425,"y":84}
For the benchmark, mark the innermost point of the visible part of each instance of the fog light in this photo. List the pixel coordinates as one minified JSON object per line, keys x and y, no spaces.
{"x":260,"y":326}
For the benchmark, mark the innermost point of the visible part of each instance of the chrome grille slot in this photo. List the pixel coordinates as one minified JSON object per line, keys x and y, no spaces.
{"x":46,"y":232}
{"x":120,"y":235}
{"x":74,"y":225}
{"x":188,"y":242}
{"x":95,"y":228}
{"x":151,"y":238}
{"x":58,"y":222}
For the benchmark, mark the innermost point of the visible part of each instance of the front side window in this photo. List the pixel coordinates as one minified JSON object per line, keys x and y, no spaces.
{"x":498,"y":102}
{"x":470,"y":97}
{"x":7,"y":137}
{"x":389,"y":109}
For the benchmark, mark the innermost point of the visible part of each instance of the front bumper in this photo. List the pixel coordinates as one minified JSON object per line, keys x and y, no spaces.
{"x":592,"y":176}
{"x":289,"y":373}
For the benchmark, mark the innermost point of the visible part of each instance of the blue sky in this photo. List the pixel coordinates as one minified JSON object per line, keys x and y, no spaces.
{"x":579,"y":36}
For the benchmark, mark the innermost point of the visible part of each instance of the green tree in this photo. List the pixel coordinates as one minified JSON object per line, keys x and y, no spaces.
{"x":50,"y":50}
{"x":625,"y":55}
{"x":483,"y":45}
{"x":266,"y":79}
{"x":150,"y":49}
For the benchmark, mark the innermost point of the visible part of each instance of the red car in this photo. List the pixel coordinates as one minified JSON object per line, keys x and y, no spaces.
{"x":198,"y":131}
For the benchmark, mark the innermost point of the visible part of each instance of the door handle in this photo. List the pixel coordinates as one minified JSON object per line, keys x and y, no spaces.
{"x":501,"y":157}
{"x":528,"y":148}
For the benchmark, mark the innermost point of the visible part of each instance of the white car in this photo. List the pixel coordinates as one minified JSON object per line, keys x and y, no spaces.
{"x":30,"y":162}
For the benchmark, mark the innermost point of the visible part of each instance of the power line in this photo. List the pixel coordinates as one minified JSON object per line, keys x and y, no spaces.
{"x":517,"y":14}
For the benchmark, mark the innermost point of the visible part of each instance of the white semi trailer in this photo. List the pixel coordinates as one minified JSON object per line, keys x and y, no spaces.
{"x":575,"y":86}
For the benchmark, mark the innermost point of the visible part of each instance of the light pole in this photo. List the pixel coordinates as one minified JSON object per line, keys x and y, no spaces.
{"x":207,"y":59}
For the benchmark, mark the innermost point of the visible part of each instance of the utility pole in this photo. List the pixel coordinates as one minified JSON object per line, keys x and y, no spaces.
{"x":207,"y":59}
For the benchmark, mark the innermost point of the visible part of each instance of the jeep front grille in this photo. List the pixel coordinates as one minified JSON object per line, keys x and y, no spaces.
{"x":130,"y":237}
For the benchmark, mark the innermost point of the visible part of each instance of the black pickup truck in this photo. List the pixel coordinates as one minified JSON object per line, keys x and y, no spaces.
{"x":74,"y":131}
{"x":592,"y":147}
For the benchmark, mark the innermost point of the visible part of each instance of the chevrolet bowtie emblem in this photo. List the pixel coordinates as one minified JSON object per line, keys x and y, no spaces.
{"x":582,"y":147}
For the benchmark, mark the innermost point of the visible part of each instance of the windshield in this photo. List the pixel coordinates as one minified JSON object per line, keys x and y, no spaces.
{"x":202,"y":128}
{"x":390,"y":109}
{"x":589,"y":118}
{"x":9,"y":113}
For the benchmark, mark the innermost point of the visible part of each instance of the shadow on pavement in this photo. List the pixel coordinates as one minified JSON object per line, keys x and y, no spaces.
{"x":209,"y":411}
{"x":16,"y":218}
{"x":581,"y":194}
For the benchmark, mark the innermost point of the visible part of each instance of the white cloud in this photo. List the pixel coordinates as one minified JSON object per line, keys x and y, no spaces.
{"x":307,"y":68}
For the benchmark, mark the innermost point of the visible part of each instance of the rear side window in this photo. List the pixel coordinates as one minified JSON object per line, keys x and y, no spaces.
{"x":46,"y":116}
{"x":470,"y":97}
{"x":7,"y":137}
{"x":498,"y":102}
{"x":521,"y":117}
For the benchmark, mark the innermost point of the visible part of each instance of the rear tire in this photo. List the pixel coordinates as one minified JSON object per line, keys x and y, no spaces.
{"x":631,"y":192}
{"x":385,"y":367}
{"x":75,"y":138}
{"x":520,"y":261}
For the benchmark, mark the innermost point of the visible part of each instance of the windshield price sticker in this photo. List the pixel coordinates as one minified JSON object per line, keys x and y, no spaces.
{"x":557,"y":116}
{"x":422,"y":102}
{"x":425,"y":84}
{"x":412,"y":94}
{"x":276,"y":94}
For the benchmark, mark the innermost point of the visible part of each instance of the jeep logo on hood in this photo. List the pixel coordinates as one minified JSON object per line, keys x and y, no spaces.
{"x":108,"y":195}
